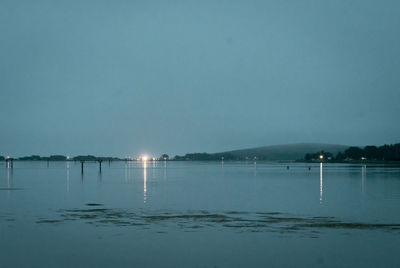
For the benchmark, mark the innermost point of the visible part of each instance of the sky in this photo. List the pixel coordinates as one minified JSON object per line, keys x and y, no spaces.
{"x":124,"y":78}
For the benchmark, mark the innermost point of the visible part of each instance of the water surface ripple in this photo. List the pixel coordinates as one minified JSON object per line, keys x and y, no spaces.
{"x":98,"y":215}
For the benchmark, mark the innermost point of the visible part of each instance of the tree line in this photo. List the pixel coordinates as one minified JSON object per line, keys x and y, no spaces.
{"x":75,"y":158}
{"x":62,"y":158}
{"x":385,"y":152}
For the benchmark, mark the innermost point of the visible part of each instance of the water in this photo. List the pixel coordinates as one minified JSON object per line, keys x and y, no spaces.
{"x":199,"y":214}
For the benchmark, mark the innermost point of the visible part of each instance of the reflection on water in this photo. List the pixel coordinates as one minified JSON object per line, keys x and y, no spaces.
{"x":9,"y":177}
{"x":100,"y":176}
{"x":144,"y":181}
{"x":153,"y":174}
{"x":320,"y":183}
{"x":165,"y":169}
{"x":363,"y":177}
{"x":241,"y":221}
{"x":9,"y":180}
{"x":127,"y":171}
{"x":67,"y":177}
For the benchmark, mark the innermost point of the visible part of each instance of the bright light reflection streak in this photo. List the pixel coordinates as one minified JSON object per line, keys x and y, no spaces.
{"x":9,"y":181}
{"x":363,"y":177}
{"x":129,"y":170}
{"x":320,"y":183}
{"x":165,"y":169}
{"x":144,"y":181}
{"x":67,"y":177}
{"x":126,"y":172}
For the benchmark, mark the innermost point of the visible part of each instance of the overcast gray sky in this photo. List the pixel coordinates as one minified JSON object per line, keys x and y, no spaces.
{"x":129,"y":77}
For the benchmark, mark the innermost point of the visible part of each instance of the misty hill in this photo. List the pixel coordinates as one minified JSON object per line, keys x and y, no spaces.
{"x":273,"y":152}
{"x":287,"y":151}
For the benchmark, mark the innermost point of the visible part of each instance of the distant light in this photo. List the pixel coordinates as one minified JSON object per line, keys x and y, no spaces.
{"x":154,"y":159}
{"x":321,"y":157}
{"x":145,"y":158}
{"x":363,"y":158}
{"x":8,"y":157}
{"x":67,"y":157}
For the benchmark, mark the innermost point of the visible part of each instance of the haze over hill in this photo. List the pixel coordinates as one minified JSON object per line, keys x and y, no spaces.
{"x":287,"y":151}
{"x":273,"y":152}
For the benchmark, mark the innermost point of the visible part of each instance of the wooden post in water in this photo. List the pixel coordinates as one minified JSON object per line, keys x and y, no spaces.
{"x":82,"y":166}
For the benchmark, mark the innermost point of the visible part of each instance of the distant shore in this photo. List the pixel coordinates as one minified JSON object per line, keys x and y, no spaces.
{"x":213,"y":160}
{"x":300,"y":153}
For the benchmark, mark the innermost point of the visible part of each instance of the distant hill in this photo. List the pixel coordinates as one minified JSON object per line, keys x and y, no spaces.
{"x":273,"y":152}
{"x":286,"y":151}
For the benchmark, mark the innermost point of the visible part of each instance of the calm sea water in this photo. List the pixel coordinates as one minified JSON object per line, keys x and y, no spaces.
{"x":198,"y":214}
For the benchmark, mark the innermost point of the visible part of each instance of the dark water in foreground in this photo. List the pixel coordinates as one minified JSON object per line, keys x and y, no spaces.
{"x":195,"y":214}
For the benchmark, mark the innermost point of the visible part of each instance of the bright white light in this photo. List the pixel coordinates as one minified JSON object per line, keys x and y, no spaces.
{"x":144,"y":158}
{"x":321,"y":156}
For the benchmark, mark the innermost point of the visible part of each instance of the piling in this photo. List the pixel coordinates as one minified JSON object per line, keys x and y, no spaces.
{"x":82,"y":166}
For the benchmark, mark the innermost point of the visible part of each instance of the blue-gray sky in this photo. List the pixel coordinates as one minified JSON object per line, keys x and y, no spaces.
{"x":129,"y":77}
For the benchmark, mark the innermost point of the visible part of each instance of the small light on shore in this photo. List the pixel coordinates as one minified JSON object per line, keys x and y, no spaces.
{"x":321,"y":157}
{"x":144,"y":158}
